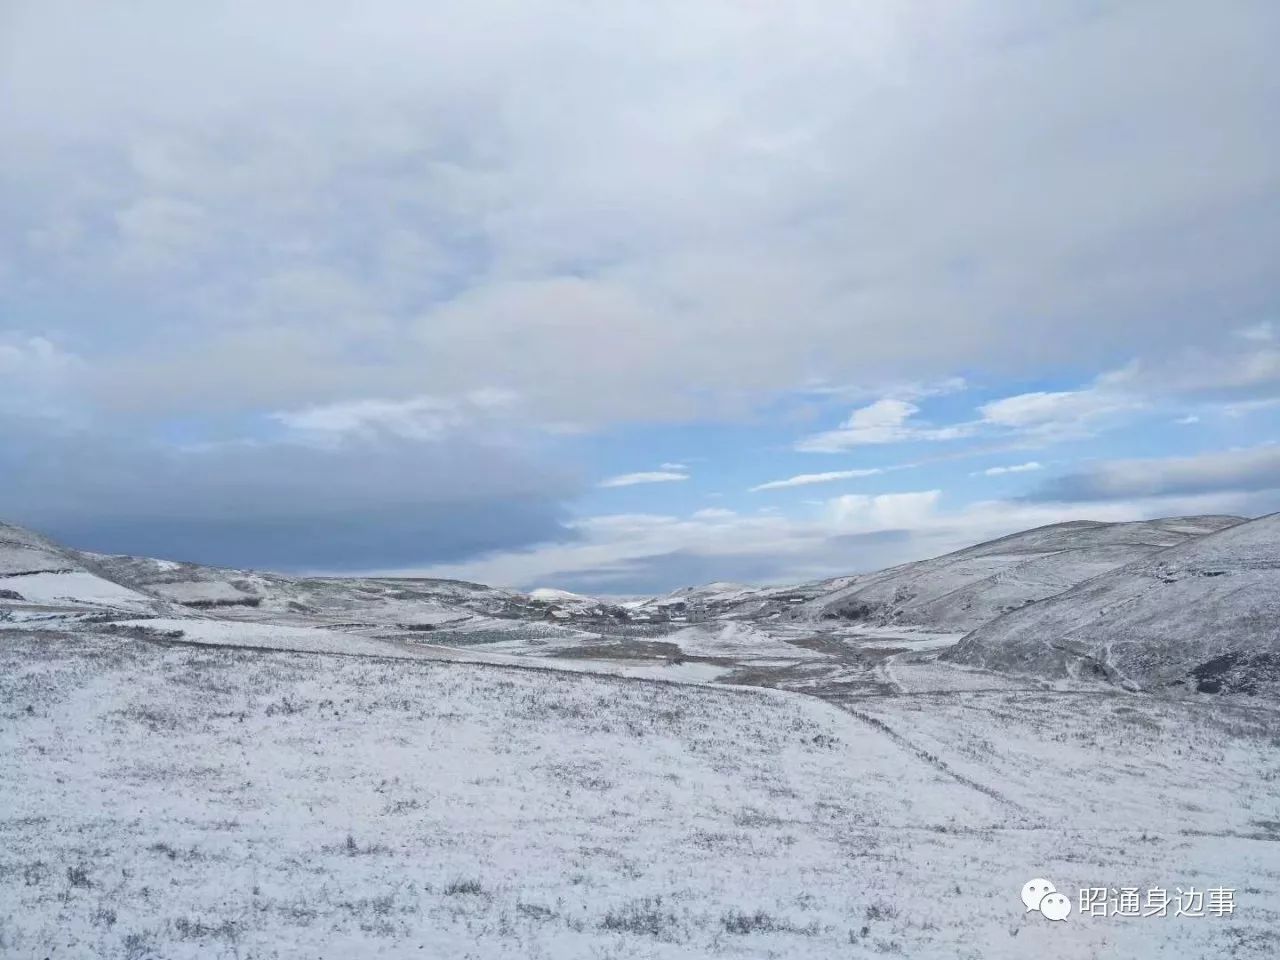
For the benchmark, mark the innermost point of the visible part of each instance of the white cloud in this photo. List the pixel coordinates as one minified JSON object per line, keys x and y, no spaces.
{"x":160,"y":233}
{"x":1062,"y":411}
{"x":39,"y":378}
{"x":885,"y":421}
{"x":714,"y":513}
{"x":32,"y":359}
{"x":901,"y":391}
{"x":1226,"y":380}
{"x":886,"y":511}
{"x":672,"y":466}
{"x":887,"y":414}
{"x":652,"y":476}
{"x":608,"y":191}
{"x":805,"y":479}
{"x":1258,"y":333}
{"x":1114,"y":398}
{"x":1242,"y":408}
{"x":1222,"y":369}
{"x":839,"y":536}
{"x":416,"y":418}
{"x":1015,"y":468}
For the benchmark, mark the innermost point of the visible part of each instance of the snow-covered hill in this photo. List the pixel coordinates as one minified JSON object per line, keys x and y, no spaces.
{"x":411,"y":602}
{"x":1205,"y":614}
{"x":36,"y":571}
{"x":1211,"y":623}
{"x":197,"y":586}
{"x":565,"y":605}
{"x":707,"y":598}
{"x":963,"y":590}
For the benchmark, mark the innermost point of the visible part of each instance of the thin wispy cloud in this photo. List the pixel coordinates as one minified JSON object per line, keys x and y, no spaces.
{"x":1062,"y":413}
{"x":1014,"y":468}
{"x":1258,"y":332}
{"x":806,"y":479}
{"x":636,"y":479}
{"x":901,"y":391}
{"x":889,"y":420}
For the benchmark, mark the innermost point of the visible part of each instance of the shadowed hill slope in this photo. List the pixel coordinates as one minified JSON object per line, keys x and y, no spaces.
{"x":960,"y":591}
{"x":1205,"y":613}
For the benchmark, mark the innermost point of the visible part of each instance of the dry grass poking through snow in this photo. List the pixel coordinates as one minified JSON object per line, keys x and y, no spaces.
{"x":185,"y":802}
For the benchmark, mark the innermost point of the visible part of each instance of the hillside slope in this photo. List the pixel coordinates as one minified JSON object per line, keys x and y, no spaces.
{"x":35,"y":570}
{"x":1204,"y":614}
{"x":197,"y":586}
{"x":960,"y":591}
{"x":420,"y":603}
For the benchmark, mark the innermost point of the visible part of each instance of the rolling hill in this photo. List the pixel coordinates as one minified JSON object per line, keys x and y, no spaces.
{"x":961,"y":591}
{"x":1204,"y":614}
{"x":35,"y":570}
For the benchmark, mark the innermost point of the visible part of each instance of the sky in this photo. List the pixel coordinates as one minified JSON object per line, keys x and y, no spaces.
{"x":623,"y":297}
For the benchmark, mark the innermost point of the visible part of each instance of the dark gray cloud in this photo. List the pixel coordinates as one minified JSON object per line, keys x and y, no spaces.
{"x":1250,"y":470}
{"x":322,"y":541}
{"x":358,"y":504}
{"x":661,"y":573}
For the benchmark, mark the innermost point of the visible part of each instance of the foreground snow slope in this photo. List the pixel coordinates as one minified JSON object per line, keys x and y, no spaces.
{"x":1206,"y":613}
{"x":184,"y":802}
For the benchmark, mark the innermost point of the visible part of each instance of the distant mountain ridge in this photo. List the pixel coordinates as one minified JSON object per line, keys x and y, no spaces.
{"x":959,"y":591}
{"x":1178,"y":602}
{"x":36,"y":570}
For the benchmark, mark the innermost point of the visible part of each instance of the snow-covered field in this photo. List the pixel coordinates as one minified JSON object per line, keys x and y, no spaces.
{"x":75,"y":587}
{"x":181,"y":801}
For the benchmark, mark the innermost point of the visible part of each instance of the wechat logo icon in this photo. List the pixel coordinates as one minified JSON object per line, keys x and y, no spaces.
{"x":1041,"y":895}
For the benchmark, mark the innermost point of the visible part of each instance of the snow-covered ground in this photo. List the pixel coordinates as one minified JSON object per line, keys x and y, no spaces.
{"x":210,"y":631}
{"x":74,"y":587}
{"x":269,"y":636}
{"x":745,"y":642}
{"x":407,"y":768}
{"x":184,"y":802}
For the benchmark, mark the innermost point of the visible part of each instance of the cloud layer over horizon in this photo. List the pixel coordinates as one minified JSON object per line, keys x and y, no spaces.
{"x":462,"y":287}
